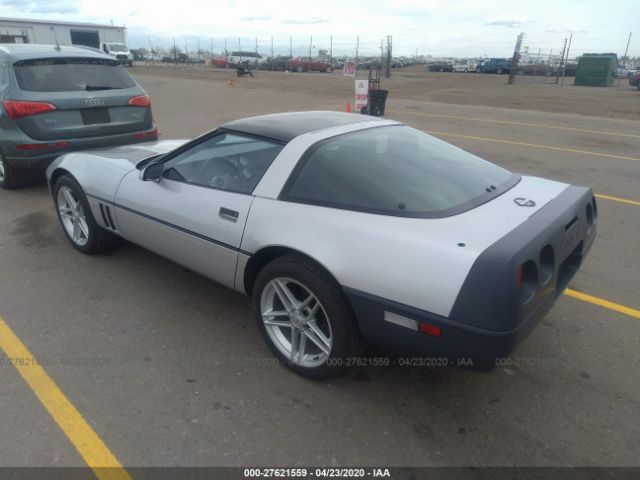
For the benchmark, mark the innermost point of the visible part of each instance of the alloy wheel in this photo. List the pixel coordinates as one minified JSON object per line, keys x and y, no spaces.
{"x":73,"y":216}
{"x":296,"y":322}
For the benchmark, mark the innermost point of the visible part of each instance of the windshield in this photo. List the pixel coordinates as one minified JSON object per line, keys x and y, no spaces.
{"x":395,"y":170}
{"x":71,"y":75}
{"x":118,"y":47}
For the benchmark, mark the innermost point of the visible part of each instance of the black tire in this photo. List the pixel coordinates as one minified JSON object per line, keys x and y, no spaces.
{"x":99,"y":240}
{"x":10,"y":177}
{"x":345,"y":337}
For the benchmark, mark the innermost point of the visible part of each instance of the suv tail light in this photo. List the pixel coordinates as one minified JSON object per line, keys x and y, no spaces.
{"x":140,"y":101}
{"x":18,"y":109}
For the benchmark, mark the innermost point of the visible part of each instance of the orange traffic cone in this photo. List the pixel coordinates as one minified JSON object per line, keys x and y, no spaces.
{"x":348,"y":107}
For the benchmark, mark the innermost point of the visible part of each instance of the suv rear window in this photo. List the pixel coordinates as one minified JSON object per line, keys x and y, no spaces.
{"x":395,"y":170}
{"x":71,"y":75}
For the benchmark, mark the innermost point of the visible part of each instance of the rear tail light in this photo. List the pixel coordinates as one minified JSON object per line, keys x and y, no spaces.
{"x":18,"y":109}
{"x":41,"y":146}
{"x":140,"y":101}
{"x":152,"y":133}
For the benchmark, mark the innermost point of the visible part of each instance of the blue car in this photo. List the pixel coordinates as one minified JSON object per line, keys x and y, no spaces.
{"x":495,"y":65}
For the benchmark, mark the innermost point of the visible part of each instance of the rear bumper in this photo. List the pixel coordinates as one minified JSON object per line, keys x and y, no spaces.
{"x":41,"y":158}
{"x":490,"y":316}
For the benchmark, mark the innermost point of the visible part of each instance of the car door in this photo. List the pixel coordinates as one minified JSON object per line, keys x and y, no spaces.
{"x":196,"y":212}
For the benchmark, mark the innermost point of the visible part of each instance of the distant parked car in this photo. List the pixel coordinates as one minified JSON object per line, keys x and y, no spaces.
{"x":465,"y":67}
{"x":220,"y":62}
{"x":623,"y":72}
{"x":634,"y":80}
{"x":241,"y":57}
{"x":58,"y":99}
{"x":495,"y":65}
{"x":440,"y":67}
{"x":305,"y":65}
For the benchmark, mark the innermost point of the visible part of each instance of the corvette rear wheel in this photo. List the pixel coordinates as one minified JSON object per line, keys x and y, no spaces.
{"x":76,"y":218}
{"x":304,"y":317}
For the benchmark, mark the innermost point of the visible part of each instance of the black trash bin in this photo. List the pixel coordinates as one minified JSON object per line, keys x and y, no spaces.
{"x":377,"y":102}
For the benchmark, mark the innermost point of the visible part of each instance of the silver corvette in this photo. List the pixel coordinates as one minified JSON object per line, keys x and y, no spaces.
{"x":342,"y":228}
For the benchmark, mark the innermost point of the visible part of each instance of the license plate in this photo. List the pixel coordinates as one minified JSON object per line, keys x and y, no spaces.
{"x":91,"y":116}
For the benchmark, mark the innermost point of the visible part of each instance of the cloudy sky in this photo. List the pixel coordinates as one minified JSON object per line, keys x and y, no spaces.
{"x":436,"y":27}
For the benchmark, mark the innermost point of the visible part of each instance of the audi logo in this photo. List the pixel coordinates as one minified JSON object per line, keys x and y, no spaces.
{"x":94,"y":102}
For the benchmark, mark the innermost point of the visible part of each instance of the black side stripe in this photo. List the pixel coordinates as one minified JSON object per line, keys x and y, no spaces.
{"x":175,"y":227}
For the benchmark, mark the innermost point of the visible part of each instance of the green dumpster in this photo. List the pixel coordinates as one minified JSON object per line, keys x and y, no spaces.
{"x":596,"y":69}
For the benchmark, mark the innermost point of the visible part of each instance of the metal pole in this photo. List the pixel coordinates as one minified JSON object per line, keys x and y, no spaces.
{"x":566,"y":60}
{"x":331,"y":50}
{"x":225,"y":49}
{"x":310,"y":47}
{"x":626,"y":51}
{"x":239,"y":50}
{"x":175,"y":51}
{"x":357,"y":47}
{"x":271,"y":53}
{"x":291,"y":46}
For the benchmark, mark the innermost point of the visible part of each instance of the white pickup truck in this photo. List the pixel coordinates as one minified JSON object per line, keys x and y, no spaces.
{"x":120,"y":51}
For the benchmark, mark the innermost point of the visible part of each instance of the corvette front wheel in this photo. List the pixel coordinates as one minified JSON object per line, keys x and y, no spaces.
{"x":76,"y":218}
{"x":304,"y":317}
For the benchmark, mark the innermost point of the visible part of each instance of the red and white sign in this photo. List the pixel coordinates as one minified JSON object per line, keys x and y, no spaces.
{"x":349,"y":69}
{"x":362,"y":94}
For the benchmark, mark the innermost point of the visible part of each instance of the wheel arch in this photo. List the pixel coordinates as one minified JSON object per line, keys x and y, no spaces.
{"x":267,"y":254}
{"x":56,"y":174}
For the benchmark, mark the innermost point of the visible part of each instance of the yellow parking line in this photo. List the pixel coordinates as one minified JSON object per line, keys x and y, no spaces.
{"x":603,"y":303}
{"x":519,"y":124}
{"x":89,"y":445}
{"x":617,"y":199}
{"x":532,"y":145}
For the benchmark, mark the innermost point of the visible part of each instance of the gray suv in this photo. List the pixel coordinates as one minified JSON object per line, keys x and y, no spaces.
{"x":58,"y":99}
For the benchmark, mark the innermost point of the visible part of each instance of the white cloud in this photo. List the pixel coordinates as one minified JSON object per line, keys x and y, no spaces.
{"x":507,"y":20}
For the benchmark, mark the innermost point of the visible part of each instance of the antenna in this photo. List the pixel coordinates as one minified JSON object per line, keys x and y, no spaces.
{"x":55,"y":36}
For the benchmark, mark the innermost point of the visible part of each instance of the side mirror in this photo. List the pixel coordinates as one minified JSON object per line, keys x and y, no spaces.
{"x":153,"y":172}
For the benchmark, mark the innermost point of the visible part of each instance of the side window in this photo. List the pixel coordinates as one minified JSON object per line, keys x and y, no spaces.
{"x":226,"y":161}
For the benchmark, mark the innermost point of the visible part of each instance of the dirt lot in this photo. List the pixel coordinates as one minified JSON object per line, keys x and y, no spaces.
{"x":168,"y":368}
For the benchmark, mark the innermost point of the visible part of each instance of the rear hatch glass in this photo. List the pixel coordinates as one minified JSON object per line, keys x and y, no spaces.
{"x":71,"y":75}
{"x":91,"y":98}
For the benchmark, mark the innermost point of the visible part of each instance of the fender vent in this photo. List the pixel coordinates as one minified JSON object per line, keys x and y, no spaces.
{"x":105,"y":210}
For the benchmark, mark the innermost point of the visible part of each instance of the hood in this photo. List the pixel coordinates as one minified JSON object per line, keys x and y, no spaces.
{"x":137,"y":152}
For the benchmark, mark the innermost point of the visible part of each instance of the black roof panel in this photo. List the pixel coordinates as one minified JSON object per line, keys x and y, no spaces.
{"x":284,"y":127}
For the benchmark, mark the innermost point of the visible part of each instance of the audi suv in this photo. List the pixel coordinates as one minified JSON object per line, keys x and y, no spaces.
{"x":55,"y":99}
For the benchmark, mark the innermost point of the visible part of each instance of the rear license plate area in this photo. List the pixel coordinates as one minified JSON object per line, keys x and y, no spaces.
{"x":92,"y":116}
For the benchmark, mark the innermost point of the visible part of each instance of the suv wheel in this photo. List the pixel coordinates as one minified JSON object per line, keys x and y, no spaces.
{"x":11,"y":178}
{"x":304,"y":317}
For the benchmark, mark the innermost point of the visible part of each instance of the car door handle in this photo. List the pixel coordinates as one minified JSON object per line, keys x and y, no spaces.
{"x":228,"y":214}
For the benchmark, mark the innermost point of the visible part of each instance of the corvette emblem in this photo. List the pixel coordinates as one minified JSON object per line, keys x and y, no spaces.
{"x":523,"y":202}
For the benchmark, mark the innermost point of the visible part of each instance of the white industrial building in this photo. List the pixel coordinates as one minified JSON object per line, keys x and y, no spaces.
{"x":15,"y":30}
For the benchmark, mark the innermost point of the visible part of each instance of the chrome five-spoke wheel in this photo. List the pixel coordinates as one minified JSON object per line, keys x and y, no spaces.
{"x":72,"y":216}
{"x":296,"y":322}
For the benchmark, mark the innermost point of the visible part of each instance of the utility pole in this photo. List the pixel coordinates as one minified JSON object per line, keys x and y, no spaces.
{"x":310,"y":47}
{"x":175,"y":51}
{"x":626,"y":51}
{"x":271,"y":53}
{"x":331,"y":50}
{"x":566,"y":60}
{"x":239,"y":50}
{"x":256,"y":45}
{"x":357,"y":48}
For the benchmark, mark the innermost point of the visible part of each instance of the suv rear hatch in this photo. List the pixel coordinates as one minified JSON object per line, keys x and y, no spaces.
{"x":87,"y":97}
